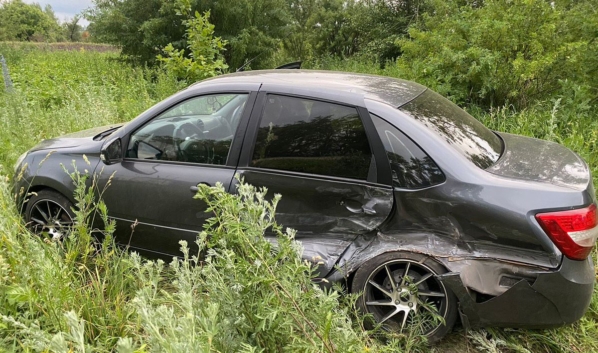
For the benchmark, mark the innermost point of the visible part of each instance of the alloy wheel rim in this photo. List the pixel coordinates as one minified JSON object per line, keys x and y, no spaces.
{"x":50,"y":218}
{"x":403,"y":293}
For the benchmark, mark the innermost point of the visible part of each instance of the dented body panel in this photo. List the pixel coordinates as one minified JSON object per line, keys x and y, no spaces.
{"x":328,"y":215}
{"x":314,"y":206}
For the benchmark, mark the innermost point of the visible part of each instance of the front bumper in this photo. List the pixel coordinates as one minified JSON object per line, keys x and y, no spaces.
{"x":554,"y":299}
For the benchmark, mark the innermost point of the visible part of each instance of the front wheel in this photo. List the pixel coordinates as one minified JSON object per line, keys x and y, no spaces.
{"x":50,"y":214}
{"x":401,"y":291}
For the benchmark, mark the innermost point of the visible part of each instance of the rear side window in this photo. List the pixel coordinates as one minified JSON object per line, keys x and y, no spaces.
{"x":307,"y":136}
{"x":411,"y":167}
{"x":467,"y":135}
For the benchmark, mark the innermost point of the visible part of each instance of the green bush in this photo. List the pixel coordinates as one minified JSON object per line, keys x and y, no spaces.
{"x":240,"y":293}
{"x":205,"y":57}
{"x":496,"y":52}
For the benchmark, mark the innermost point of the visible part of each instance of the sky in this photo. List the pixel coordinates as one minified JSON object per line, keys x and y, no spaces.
{"x":65,"y":9}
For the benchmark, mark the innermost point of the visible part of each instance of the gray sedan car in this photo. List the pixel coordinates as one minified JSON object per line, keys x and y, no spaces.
{"x":393,"y":190}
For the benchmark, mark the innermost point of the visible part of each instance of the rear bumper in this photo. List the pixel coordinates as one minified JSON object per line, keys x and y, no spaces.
{"x":554,"y":299}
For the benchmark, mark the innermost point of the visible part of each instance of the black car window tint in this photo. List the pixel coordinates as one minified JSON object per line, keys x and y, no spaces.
{"x":411,"y":167}
{"x":198,"y":130}
{"x":462,"y":131}
{"x":307,"y":136}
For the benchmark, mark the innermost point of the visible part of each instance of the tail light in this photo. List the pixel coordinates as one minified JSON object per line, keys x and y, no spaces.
{"x":574,"y":232}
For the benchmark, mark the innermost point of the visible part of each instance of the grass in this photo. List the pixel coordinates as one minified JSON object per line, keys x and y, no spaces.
{"x":62,"y":46}
{"x":68,"y":297}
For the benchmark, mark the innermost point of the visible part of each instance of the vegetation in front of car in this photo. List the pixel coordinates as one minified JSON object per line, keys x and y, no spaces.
{"x":64,"y":295}
{"x":240,"y":293}
{"x":247,"y":294}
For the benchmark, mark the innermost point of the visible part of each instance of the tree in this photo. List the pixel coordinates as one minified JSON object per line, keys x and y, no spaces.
{"x":27,"y":22}
{"x":72,"y":30}
{"x":140,"y":27}
{"x":300,"y":29}
{"x":252,"y":28}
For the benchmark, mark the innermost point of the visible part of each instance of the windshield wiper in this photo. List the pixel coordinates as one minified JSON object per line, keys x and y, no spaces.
{"x":106,"y":133}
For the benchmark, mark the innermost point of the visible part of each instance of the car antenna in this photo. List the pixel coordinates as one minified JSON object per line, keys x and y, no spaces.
{"x":242,"y":68}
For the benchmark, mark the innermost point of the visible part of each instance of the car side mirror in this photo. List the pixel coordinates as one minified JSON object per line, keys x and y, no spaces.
{"x":112,"y":152}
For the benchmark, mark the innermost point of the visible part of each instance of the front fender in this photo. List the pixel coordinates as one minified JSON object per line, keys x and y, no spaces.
{"x":52,"y":169}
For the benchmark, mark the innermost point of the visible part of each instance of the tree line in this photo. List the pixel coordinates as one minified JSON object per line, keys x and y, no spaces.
{"x":264,"y":31}
{"x":482,"y":52}
{"x":487,"y":53}
{"x":20,"y":21}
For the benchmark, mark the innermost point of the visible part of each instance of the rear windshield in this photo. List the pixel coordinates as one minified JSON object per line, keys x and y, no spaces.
{"x":467,"y":135}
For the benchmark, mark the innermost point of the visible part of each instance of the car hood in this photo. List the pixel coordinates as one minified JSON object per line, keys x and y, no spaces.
{"x":536,"y":160}
{"x":75,"y":139}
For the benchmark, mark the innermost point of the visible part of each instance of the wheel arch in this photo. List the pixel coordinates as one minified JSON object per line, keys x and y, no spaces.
{"x":42,"y":186}
{"x":481,"y":268}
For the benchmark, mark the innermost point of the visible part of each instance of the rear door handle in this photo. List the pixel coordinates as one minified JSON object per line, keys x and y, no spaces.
{"x":194,"y":189}
{"x":352,"y":207}
{"x":368,"y":210}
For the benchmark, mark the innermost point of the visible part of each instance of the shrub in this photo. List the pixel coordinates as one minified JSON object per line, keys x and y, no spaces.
{"x":498,"y":51}
{"x":205,"y":58}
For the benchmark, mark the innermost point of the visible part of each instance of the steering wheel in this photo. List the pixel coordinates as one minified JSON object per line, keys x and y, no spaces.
{"x":236,"y":117}
{"x":226,"y":124}
{"x":184,"y":135}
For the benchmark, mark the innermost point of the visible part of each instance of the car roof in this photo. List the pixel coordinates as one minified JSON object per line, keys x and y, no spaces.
{"x":392,"y":91}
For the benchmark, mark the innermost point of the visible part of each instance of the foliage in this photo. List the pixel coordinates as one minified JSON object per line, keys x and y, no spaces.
{"x":205,"y":57}
{"x":27,"y":22}
{"x":140,"y":27}
{"x":371,"y":27}
{"x":265,"y":32}
{"x":54,"y":294}
{"x":62,"y":91}
{"x":498,"y":52}
{"x":248,"y":294}
{"x":252,"y":28}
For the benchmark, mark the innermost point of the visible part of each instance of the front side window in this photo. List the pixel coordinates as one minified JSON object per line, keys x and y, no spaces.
{"x":198,"y":130}
{"x":307,"y":136}
{"x":462,"y":131}
{"x":411,"y":167}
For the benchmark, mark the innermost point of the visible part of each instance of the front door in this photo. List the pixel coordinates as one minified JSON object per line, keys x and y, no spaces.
{"x":151,"y":192}
{"x":317,"y":155}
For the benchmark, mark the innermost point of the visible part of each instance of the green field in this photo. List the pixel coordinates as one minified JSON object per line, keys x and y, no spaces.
{"x":54,"y":296}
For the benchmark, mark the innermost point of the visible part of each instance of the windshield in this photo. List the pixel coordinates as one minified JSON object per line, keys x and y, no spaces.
{"x":467,"y":135}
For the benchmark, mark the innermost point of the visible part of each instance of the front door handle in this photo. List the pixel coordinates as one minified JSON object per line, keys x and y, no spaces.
{"x":194,"y":189}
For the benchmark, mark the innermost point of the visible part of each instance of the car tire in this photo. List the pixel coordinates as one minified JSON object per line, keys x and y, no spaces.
{"x":414,"y":298}
{"x":50,"y":214}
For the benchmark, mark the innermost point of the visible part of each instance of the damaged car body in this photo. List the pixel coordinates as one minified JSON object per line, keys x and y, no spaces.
{"x":393,"y":190}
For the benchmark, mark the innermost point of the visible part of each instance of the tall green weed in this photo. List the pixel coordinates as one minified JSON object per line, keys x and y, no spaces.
{"x":240,"y":293}
{"x":60,"y":92}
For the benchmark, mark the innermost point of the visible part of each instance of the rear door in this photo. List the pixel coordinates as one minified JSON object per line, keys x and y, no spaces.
{"x":328,"y":163}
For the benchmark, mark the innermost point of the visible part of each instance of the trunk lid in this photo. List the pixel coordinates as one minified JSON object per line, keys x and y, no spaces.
{"x":543,"y":161}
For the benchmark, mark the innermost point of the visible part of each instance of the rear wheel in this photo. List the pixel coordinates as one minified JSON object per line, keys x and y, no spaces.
{"x":50,"y":214}
{"x":402,"y":292}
